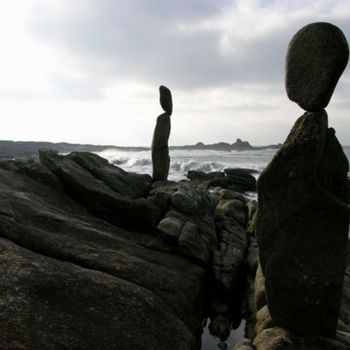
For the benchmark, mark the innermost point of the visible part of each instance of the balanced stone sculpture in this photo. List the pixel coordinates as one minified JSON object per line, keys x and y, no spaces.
{"x":160,"y":149}
{"x":303,"y":216}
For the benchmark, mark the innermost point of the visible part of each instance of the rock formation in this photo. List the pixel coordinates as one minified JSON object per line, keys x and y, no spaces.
{"x":316,"y":58}
{"x":303,"y":217}
{"x":238,"y":180}
{"x":160,"y":149}
{"x":89,"y":249}
{"x":72,"y":278}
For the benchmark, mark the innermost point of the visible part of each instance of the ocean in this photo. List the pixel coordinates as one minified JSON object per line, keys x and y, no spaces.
{"x":181,"y":161}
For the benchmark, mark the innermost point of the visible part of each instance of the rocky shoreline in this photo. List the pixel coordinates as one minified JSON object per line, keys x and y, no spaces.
{"x":77,"y":272}
{"x":90,"y":261}
{"x":94,"y":257}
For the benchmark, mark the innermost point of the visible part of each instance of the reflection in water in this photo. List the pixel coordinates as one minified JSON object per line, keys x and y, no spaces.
{"x":212,"y":343}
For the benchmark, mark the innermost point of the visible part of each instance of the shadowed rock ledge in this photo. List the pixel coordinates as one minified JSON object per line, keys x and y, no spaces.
{"x":77,"y":273}
{"x":70,"y":279}
{"x":93,"y":257}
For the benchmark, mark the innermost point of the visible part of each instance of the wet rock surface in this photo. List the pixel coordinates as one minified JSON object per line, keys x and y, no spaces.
{"x":238,"y":180}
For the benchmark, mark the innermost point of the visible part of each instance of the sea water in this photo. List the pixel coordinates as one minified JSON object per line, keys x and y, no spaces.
{"x":181,"y":161}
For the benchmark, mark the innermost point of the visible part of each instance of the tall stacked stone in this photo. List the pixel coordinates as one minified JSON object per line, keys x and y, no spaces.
{"x":303,"y":218}
{"x":160,"y":149}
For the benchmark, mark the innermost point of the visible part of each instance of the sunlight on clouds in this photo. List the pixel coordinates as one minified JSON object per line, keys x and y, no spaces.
{"x":88,"y":70}
{"x":25,"y":63}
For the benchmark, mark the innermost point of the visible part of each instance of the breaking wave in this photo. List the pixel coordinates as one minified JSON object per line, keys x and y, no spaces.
{"x":181,"y":161}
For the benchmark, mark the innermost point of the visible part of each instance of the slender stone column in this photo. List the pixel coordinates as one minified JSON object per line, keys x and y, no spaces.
{"x":160,"y":149}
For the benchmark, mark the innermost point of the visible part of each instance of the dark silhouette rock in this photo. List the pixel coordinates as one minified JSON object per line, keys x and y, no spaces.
{"x":302,"y":228}
{"x":131,"y":185}
{"x":160,"y":149}
{"x":238,"y":181}
{"x":316,"y":58}
{"x":70,"y":280}
{"x":100,"y":194}
{"x":68,"y":265}
{"x":239,"y":171}
{"x":165,"y":99}
{"x":240,"y":145}
{"x":194,"y":175}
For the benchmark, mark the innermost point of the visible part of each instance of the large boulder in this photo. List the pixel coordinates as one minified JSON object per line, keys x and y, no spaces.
{"x":70,"y":280}
{"x":165,"y":99}
{"x":302,"y":228}
{"x":98,"y":194}
{"x":130,"y":185}
{"x":316,"y":58}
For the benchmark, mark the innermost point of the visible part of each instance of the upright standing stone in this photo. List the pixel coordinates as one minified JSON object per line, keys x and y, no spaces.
{"x":303,"y":217}
{"x":160,"y":149}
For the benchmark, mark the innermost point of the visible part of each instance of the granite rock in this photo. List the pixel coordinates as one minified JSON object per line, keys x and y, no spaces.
{"x":99,"y":195}
{"x":171,"y":228}
{"x":71,"y":280}
{"x":317,"y":56}
{"x":302,"y":228}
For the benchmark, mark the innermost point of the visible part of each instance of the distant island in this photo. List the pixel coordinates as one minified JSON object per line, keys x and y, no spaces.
{"x":29,"y":149}
{"x":239,"y":145}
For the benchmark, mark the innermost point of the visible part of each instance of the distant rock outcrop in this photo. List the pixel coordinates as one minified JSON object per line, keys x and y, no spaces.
{"x":160,"y":149}
{"x":303,"y":217}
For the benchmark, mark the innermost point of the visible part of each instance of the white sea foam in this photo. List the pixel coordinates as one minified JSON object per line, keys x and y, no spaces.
{"x":181,"y":161}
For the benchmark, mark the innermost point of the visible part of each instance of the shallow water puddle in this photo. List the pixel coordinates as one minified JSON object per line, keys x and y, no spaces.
{"x":211,"y":343}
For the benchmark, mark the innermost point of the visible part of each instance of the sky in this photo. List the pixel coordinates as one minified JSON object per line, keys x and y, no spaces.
{"x":88,"y":71}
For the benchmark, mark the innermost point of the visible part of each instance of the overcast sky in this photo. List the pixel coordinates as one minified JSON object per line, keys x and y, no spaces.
{"x":88,"y":71}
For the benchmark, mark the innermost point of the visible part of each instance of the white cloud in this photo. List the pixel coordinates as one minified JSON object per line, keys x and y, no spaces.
{"x":89,"y":70}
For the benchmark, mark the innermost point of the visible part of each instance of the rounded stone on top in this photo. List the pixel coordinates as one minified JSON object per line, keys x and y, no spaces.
{"x":316,"y":58}
{"x":165,"y":99}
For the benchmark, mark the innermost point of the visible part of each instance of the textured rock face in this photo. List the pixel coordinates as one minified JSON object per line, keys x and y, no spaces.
{"x":82,"y":175}
{"x":70,"y":280}
{"x":316,"y":58}
{"x":302,"y":228}
{"x":189,"y":223}
{"x":165,"y":99}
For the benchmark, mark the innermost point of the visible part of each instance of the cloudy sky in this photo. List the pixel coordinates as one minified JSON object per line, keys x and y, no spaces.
{"x":88,"y":71}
